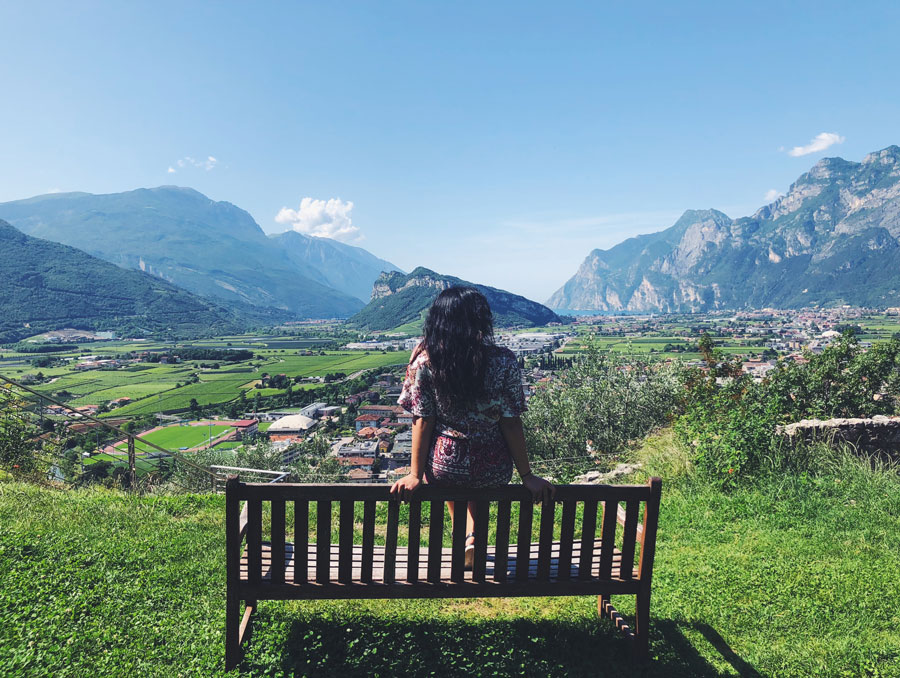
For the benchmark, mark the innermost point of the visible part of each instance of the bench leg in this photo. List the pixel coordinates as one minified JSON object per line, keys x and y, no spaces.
{"x":232,"y":632}
{"x":641,"y":643}
{"x":602,"y":602}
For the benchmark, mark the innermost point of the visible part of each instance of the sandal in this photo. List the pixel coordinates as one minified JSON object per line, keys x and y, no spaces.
{"x":470,"y":551}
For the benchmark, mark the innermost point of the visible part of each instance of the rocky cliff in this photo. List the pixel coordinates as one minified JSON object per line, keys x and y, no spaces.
{"x":834,"y":238}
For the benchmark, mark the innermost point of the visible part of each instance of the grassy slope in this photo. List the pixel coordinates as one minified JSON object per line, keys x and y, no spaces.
{"x":793,"y":577}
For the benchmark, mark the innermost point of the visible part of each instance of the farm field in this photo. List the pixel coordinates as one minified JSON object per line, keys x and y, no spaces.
{"x":162,"y":387}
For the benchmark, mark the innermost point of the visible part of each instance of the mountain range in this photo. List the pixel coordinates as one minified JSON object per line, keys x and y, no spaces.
{"x":48,"y":286}
{"x":350,"y":269}
{"x":214,"y":249}
{"x":833,"y":238}
{"x":402,"y":300}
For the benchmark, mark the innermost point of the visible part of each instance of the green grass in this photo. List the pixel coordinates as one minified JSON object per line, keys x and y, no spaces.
{"x":230,"y":445}
{"x":791,"y":576}
{"x":176,"y":437}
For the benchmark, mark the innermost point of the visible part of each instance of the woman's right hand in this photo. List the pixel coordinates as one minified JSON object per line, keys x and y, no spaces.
{"x":404,"y":487}
{"x":540,"y":488}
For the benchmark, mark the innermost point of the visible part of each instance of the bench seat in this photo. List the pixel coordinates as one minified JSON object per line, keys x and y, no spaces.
{"x":446,"y":554}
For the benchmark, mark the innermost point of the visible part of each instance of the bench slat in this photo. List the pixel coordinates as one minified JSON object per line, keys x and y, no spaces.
{"x":254,"y":540}
{"x":390,"y":542}
{"x":323,"y":540}
{"x":458,"y":558}
{"x":523,"y":548}
{"x":415,"y":528}
{"x":608,"y":538}
{"x":446,"y":565}
{"x":566,"y":537}
{"x":501,"y":552}
{"x":482,"y":516}
{"x":435,"y":539}
{"x":301,"y":540}
{"x":368,"y":542}
{"x":278,"y":541}
{"x":588,"y":532}
{"x":345,"y":540}
{"x":545,"y":539}
{"x":629,"y":539}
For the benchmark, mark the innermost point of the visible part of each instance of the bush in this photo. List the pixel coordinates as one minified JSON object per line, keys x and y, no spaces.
{"x":729,"y":422}
{"x":598,"y":405}
{"x":729,"y":428}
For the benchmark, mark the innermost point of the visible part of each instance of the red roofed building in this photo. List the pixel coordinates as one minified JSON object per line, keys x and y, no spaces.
{"x":357,"y":475}
{"x":381,"y":410}
{"x":246,"y":427}
{"x":366,"y":432}
{"x":364,"y":420}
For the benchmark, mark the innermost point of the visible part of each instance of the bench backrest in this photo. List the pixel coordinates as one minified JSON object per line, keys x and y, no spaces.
{"x":622,"y":517}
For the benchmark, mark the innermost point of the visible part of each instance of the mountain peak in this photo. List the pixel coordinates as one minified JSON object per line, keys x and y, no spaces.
{"x":833,"y":238}
{"x":886,"y":156}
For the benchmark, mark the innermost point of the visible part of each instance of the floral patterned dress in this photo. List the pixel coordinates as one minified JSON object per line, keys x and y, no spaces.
{"x":468,"y":448}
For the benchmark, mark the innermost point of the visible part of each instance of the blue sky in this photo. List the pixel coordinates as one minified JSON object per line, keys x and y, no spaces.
{"x":499,"y":142}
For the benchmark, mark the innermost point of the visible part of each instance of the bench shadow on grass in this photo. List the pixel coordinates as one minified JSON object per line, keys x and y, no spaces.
{"x":368,"y":645}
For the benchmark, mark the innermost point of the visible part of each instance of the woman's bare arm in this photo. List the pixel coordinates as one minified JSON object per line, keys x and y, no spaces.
{"x":422,"y":431}
{"x":514,"y":435}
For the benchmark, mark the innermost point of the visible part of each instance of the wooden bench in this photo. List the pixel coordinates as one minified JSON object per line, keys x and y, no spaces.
{"x":597,"y":559}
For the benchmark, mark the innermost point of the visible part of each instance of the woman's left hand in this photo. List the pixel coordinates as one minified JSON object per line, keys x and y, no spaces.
{"x":540,"y":488}
{"x":404,"y":487}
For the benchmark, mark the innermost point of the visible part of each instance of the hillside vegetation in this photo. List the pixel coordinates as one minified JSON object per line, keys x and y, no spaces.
{"x":48,"y":286}
{"x":210,"y":248}
{"x":399,"y":299}
{"x":789,"y":576}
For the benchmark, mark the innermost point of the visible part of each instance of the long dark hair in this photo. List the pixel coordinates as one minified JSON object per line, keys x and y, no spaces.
{"x":458,"y":332}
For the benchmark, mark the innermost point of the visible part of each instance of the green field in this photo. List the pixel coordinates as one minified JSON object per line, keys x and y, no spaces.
{"x":160,"y":388}
{"x":177,"y":437}
{"x":231,"y":445}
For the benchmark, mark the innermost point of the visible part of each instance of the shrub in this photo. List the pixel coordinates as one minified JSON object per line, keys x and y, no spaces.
{"x":729,"y":422}
{"x":598,"y":405}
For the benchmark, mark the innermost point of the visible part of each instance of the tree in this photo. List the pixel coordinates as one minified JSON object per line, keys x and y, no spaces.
{"x":598,"y":405}
{"x":16,"y":429}
{"x":195,"y":408}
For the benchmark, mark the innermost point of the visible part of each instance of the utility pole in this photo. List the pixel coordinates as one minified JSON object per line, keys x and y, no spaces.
{"x":132,"y":475}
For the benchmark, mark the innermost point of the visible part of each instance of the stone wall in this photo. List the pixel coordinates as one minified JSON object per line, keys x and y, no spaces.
{"x":879,"y":435}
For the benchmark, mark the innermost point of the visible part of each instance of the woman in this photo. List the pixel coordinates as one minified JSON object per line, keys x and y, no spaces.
{"x":465,"y":394}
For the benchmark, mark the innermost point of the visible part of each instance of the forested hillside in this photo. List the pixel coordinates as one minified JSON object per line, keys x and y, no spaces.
{"x":210,"y":248}
{"x":398,"y":299}
{"x":48,"y":286}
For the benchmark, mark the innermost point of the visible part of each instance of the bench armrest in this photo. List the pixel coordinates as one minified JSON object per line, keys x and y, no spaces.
{"x":620,"y":516}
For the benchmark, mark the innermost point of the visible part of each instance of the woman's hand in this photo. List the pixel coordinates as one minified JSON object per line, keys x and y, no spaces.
{"x":541,"y":489}
{"x":404,"y":487}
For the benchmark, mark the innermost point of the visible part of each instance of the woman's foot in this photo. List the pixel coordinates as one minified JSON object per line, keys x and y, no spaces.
{"x":470,"y":551}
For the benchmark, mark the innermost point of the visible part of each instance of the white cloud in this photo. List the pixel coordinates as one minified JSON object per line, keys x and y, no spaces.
{"x":323,"y":218}
{"x":772,"y":195}
{"x":54,"y":190}
{"x":187,"y":161}
{"x":819,"y":143}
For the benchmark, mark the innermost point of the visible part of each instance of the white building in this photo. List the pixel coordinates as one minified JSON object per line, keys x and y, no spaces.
{"x":292,"y":424}
{"x":312,"y":410}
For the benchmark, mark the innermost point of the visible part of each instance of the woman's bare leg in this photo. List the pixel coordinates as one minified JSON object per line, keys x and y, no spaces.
{"x":470,"y":515}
